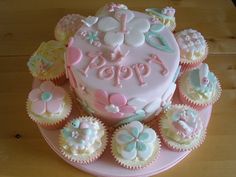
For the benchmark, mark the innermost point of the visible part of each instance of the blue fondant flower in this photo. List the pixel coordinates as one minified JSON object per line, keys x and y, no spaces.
{"x":135,"y":140}
{"x":92,"y":37}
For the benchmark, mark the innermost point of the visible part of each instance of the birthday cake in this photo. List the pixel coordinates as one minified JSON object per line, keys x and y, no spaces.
{"x":122,"y":64}
{"x":121,"y":68}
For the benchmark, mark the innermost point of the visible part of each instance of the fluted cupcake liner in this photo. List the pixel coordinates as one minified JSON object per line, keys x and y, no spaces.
{"x":187,"y":65}
{"x":175,"y":146}
{"x":59,"y":123}
{"x":82,"y":158}
{"x":134,"y":165}
{"x":194,"y":103}
{"x":59,"y":79}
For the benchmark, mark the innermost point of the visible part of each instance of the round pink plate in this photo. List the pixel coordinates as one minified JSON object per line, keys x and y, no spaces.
{"x":106,"y":165}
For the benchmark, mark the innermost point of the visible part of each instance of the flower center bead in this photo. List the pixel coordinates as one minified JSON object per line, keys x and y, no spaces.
{"x":112,"y":108}
{"x":46,"y":96}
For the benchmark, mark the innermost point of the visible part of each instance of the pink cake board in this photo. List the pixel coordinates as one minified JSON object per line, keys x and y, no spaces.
{"x":106,"y":165}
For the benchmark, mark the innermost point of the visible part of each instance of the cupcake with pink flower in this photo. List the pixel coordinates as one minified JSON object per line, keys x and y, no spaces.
{"x":181,"y":128}
{"x":49,"y":105}
{"x":83,"y":140}
{"x":199,"y":88}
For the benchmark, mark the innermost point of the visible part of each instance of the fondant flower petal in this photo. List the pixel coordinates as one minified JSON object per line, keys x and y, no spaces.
{"x":140,"y":25}
{"x":134,"y":131}
{"x":54,"y":106}
{"x":58,"y":93}
{"x":129,"y":15}
{"x":153,"y":106}
{"x":137,"y":125}
{"x":108,"y":24}
{"x":114,"y":38}
{"x":118,"y":99}
{"x":129,"y":155}
{"x":145,"y":154}
{"x":116,"y":115}
{"x":169,"y":92}
{"x":140,"y":146}
{"x":148,"y":135}
{"x":101,"y":96}
{"x":123,"y":137}
{"x":73,"y":55}
{"x":127,"y":109}
{"x":130,"y":146}
{"x":138,"y":103}
{"x":134,"y":38}
{"x":38,"y":107}
{"x":35,"y":94}
{"x":99,"y":106}
{"x":47,"y":86}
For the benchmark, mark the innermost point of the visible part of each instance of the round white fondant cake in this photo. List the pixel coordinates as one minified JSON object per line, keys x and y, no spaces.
{"x":122,"y":65}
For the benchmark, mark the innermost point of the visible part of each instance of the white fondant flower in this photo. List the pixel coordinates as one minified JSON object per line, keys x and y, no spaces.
{"x":124,"y":27}
{"x":136,"y":141}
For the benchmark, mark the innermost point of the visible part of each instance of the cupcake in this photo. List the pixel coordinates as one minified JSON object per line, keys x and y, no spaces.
{"x":166,"y":16}
{"x":83,"y":140}
{"x":199,"y":88}
{"x":181,"y":128}
{"x":49,"y":105}
{"x":193,"y":48}
{"x":67,"y":27}
{"x":47,"y":62}
{"x":135,"y":145}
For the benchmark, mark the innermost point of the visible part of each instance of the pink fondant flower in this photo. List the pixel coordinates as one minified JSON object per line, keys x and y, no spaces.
{"x":46,"y":98}
{"x":115,"y":104}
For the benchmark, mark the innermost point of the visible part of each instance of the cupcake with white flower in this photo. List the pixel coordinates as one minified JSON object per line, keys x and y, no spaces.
{"x":135,"y":145}
{"x":83,"y":140}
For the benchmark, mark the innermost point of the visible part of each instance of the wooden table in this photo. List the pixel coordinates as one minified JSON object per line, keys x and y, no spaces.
{"x":25,"y":24}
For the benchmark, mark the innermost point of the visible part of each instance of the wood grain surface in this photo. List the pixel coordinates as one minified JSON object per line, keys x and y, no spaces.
{"x":24,"y":24}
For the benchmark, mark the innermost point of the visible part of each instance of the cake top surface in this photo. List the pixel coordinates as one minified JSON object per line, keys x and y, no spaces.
{"x":123,"y":50}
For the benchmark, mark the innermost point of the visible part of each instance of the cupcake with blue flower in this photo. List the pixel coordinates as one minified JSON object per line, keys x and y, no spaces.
{"x":135,"y":145}
{"x":199,"y":87}
{"x":83,"y":140}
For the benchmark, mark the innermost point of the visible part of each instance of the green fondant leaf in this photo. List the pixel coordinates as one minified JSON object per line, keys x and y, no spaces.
{"x":157,"y":28}
{"x":151,"y":38}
